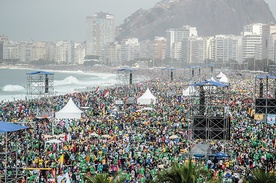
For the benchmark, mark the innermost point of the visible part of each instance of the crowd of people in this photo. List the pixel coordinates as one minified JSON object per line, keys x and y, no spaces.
{"x":130,"y":139}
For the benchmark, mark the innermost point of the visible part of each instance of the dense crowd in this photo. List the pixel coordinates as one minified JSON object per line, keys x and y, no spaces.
{"x":133,"y":140}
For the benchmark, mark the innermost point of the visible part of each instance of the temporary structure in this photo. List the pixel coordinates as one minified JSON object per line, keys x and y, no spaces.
{"x":220,"y":75}
{"x":189,"y":91}
{"x":69,"y":111}
{"x":224,"y":79}
{"x":147,"y":98}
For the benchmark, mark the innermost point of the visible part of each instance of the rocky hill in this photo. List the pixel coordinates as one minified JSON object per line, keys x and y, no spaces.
{"x":211,"y":17}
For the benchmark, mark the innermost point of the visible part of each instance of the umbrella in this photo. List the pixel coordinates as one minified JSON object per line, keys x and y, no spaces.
{"x":221,"y":155}
{"x":199,"y":155}
{"x":174,"y":137}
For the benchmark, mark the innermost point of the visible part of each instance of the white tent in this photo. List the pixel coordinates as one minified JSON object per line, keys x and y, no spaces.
{"x":69,"y":111}
{"x":190,"y":90}
{"x":146,"y":98}
{"x":224,"y":79}
{"x":212,"y":79}
{"x":220,"y":75}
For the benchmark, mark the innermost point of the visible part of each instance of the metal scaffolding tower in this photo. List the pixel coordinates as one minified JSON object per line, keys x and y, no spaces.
{"x":209,"y":110}
{"x":10,"y":171}
{"x":40,"y":84}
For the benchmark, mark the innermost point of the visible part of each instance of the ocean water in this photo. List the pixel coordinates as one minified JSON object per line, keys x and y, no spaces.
{"x":13,"y":82}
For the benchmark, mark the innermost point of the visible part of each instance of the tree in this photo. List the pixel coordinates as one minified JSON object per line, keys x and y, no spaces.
{"x":185,"y":173}
{"x":261,"y":176}
{"x":103,"y":178}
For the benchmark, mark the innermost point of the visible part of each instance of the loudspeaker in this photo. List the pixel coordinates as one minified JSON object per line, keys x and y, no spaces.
{"x":261,"y":90}
{"x":46,"y":84}
{"x":193,"y":73}
{"x":211,"y":128}
{"x":171,"y":75}
{"x":130,"y":78}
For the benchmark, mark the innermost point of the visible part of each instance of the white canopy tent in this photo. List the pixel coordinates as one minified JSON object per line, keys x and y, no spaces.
{"x":220,"y":75}
{"x":190,"y":90}
{"x":224,"y":79}
{"x":147,"y":98}
{"x":69,"y":111}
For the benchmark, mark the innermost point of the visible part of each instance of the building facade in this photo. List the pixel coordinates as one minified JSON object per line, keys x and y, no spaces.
{"x":100,"y":30}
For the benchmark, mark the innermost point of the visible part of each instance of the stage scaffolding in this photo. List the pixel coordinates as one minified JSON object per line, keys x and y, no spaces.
{"x":209,"y":110}
{"x":10,"y":172}
{"x":265,"y":96}
{"x":40,"y":84}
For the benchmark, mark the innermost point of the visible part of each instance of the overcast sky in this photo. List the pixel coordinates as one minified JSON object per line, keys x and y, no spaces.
{"x":52,"y":20}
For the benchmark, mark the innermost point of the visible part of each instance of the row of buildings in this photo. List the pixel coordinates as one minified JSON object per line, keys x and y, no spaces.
{"x":180,"y":44}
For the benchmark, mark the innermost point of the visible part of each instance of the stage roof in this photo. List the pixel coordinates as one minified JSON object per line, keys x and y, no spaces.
{"x":126,"y":69}
{"x":168,"y":68}
{"x":41,"y":72}
{"x":10,"y":127}
{"x":266,"y":76}
{"x":210,"y":83}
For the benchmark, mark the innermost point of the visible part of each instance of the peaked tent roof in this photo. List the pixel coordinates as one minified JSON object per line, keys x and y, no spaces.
{"x":220,"y":75}
{"x":210,"y":83}
{"x":146,"y":98}
{"x":10,"y":127}
{"x":224,"y":79}
{"x":69,"y":111}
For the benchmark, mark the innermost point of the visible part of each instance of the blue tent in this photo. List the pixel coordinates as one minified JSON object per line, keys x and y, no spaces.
{"x":126,"y":69}
{"x":10,"y":127}
{"x":221,"y":155}
{"x":209,"y":83}
{"x":41,"y":72}
{"x":266,"y":76}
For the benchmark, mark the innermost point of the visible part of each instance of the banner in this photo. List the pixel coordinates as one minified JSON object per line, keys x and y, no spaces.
{"x":271,"y":118}
{"x":259,"y":117}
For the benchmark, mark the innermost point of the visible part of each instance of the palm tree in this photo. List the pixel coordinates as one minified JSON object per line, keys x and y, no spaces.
{"x":261,"y":176}
{"x":103,"y":178}
{"x":186,"y":173}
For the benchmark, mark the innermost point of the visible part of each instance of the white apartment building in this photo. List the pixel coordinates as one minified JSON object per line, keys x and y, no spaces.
{"x":226,"y":48}
{"x":113,"y":54}
{"x":79,"y":53}
{"x":130,"y":49}
{"x":196,"y":49}
{"x":252,"y":41}
{"x":268,"y":41}
{"x":174,"y":38}
{"x":10,"y":50}
{"x":100,"y":30}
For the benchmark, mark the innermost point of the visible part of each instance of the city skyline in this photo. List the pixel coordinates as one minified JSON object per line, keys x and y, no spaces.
{"x":30,"y":19}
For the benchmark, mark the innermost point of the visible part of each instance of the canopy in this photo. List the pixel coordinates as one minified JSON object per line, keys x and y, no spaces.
{"x":220,"y":75}
{"x":224,"y":79}
{"x":190,"y":90}
{"x":10,"y":127}
{"x":221,"y":155}
{"x":69,"y":111}
{"x":147,"y":98}
{"x":210,"y":83}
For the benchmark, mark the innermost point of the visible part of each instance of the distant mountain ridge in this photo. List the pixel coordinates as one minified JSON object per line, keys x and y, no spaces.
{"x":211,"y":17}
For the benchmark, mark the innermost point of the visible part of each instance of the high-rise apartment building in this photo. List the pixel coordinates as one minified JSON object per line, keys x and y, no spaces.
{"x":268,"y":41}
{"x":252,"y":41}
{"x":196,"y":49}
{"x":226,"y":48}
{"x":100,"y":30}
{"x":174,"y":39}
{"x":130,"y":49}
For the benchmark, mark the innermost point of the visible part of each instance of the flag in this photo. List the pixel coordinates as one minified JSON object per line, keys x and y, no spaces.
{"x":97,"y":89}
{"x":61,"y":159}
{"x":271,"y":118}
{"x":106,"y":93}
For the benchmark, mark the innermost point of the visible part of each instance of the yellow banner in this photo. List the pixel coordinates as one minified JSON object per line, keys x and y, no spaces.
{"x":259,"y":117}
